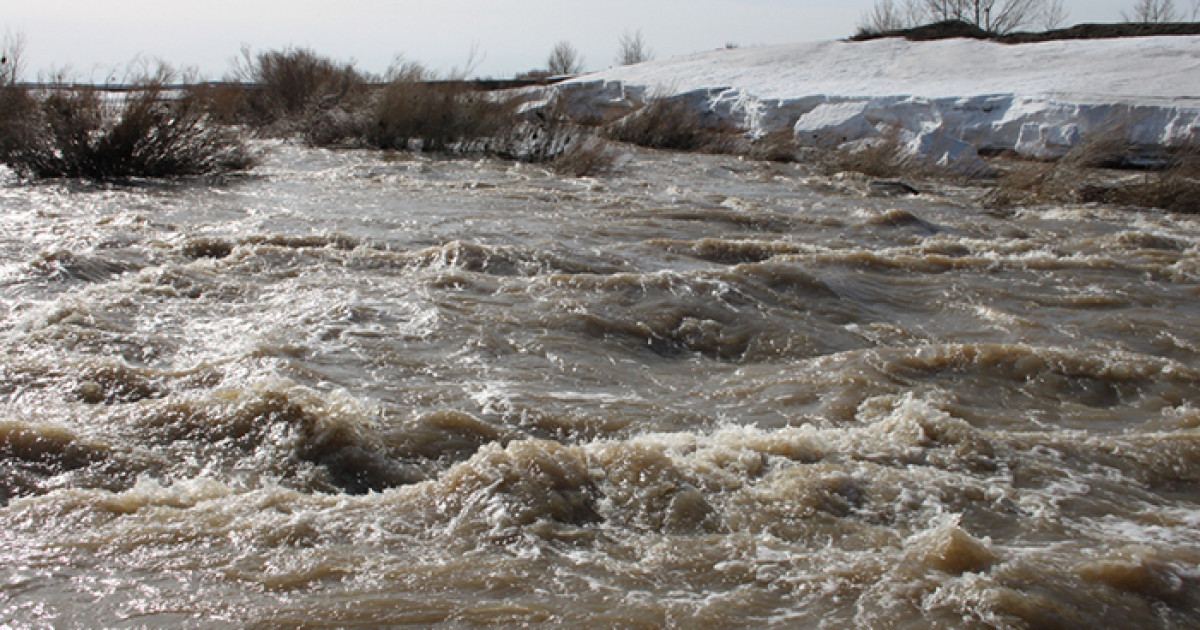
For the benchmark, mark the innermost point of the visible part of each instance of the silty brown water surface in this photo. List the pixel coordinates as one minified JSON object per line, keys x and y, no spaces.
{"x":360,"y":389}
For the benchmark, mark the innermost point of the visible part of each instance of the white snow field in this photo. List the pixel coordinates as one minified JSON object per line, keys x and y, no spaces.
{"x":948,"y":98}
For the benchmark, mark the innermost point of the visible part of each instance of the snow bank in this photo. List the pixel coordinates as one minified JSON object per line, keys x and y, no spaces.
{"x":947,"y":98}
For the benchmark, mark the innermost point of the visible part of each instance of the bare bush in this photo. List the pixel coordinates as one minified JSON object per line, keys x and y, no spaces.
{"x":564,"y":60}
{"x":74,"y":132}
{"x":883,"y":156}
{"x":18,"y":109}
{"x":1172,"y":183}
{"x":20,"y":132}
{"x":1063,"y":180}
{"x":226,"y":103}
{"x":437,"y":116}
{"x":667,"y":123}
{"x":777,"y":146}
{"x":1054,"y":15}
{"x":888,"y":16}
{"x":292,"y":83}
{"x":414,"y":110}
{"x":632,"y":49}
{"x":588,"y":157}
{"x":12,"y":49}
{"x":993,"y":16}
{"x":1174,"y":189}
{"x":1029,"y":183}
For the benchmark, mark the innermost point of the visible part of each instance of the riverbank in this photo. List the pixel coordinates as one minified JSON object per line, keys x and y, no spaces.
{"x":950,"y":98}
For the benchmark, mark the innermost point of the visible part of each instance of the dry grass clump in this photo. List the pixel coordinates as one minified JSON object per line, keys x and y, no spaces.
{"x":1107,"y":147}
{"x":76,"y":132}
{"x":1029,"y":183}
{"x":666,"y":123}
{"x":777,"y":146}
{"x":588,"y":157}
{"x":884,"y":156}
{"x":1170,"y":181}
{"x":1175,"y":188}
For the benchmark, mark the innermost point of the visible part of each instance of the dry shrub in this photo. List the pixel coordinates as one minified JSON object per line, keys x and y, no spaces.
{"x":437,"y":117}
{"x":415,"y":111}
{"x":884,"y":156}
{"x":75,"y":132}
{"x":1065,"y":179}
{"x":777,"y":146}
{"x":18,"y":108}
{"x":290,"y":84}
{"x":225,"y":103}
{"x":1170,"y":181}
{"x":1175,"y":188}
{"x":668,"y":123}
{"x":1030,"y":183}
{"x":588,"y":157}
{"x":19,"y":113}
{"x":1108,"y":147}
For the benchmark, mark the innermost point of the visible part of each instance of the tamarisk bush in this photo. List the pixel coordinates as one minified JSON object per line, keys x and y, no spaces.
{"x":77,"y":131}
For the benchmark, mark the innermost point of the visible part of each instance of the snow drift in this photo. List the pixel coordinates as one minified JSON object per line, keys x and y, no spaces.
{"x":948,"y":99}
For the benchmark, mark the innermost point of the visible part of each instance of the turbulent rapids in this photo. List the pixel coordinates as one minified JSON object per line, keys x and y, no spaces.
{"x":365,"y":389}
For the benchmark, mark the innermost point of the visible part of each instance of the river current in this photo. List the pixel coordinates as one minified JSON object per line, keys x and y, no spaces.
{"x":357,"y":389}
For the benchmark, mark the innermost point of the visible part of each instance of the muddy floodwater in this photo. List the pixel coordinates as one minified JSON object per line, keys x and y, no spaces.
{"x":355,"y":389}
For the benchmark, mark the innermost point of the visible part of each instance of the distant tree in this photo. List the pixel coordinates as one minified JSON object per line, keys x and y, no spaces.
{"x":996,"y":16}
{"x":12,"y":48}
{"x":886,"y":16}
{"x":632,"y":49}
{"x":1054,"y":15}
{"x":564,"y":59}
{"x":1152,"y":12}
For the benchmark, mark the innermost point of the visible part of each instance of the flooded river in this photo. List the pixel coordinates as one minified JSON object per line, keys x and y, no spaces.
{"x":353,"y":389}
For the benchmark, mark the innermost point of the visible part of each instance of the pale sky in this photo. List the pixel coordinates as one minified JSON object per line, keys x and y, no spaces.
{"x":97,"y":38}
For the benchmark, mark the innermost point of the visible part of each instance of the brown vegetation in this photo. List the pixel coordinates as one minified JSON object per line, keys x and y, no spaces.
{"x":586,"y":157}
{"x":883,"y":156}
{"x":1085,"y":175}
{"x":777,"y":146}
{"x":79,"y":132}
{"x":955,"y":29}
{"x":75,"y":132}
{"x":1175,"y":188}
{"x":437,"y":117}
{"x":290,"y":84}
{"x":564,"y":60}
{"x":670,"y":123}
{"x":415,"y":111}
{"x":990,"y":16}
{"x":632,"y":49}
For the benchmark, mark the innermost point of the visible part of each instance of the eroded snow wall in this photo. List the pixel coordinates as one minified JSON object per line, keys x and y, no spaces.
{"x":948,"y":130}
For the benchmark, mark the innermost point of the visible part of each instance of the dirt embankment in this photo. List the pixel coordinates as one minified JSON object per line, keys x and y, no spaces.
{"x":957,"y":29}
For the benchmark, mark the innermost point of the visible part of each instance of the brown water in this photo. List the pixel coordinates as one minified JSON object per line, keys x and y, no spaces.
{"x":354,"y":389}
